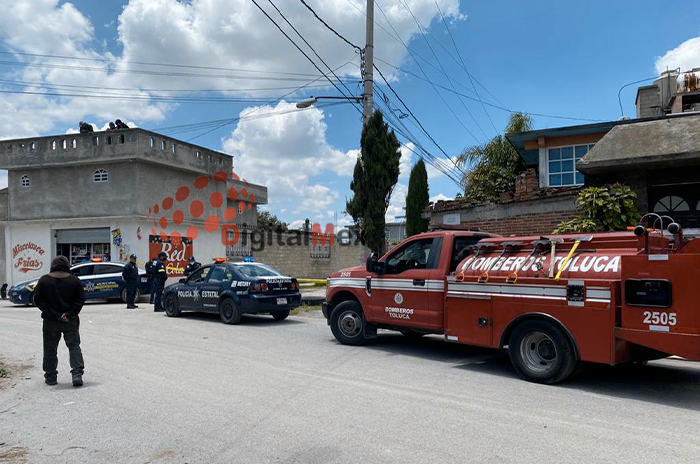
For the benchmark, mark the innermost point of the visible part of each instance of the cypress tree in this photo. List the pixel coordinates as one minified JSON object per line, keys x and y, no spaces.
{"x":416,"y":200}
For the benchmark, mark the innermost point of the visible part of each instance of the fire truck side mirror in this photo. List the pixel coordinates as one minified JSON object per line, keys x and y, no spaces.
{"x":371,"y":260}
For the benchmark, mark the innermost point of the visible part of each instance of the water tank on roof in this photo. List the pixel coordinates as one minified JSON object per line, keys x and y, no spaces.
{"x":668,"y":87}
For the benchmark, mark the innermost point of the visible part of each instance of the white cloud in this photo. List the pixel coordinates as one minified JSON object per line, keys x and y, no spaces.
{"x":219,"y":33}
{"x":284,"y":151}
{"x":685,"y":56}
{"x":405,"y":161}
{"x":397,"y":203}
{"x":440,"y":197}
{"x":447,"y":165}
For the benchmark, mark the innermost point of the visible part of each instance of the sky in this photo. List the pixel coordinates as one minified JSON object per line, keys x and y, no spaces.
{"x":220,"y":74}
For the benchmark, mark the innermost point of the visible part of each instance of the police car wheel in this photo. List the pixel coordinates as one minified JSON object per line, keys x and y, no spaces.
{"x":229,"y":312}
{"x":172,"y":306}
{"x":280,"y":315}
{"x":348,"y":323}
{"x":137,"y":295}
{"x":541,"y":352}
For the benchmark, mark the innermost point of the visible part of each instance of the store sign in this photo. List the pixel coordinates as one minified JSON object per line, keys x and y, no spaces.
{"x":27,"y":257}
{"x":178,"y":249}
{"x":117,"y":236}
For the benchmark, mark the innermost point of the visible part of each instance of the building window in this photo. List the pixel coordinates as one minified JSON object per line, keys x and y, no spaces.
{"x":561,"y":164}
{"x":121,"y":138}
{"x":199,"y":155}
{"x":173,"y":148}
{"x":32,"y":146}
{"x":96,"y":141}
{"x":671,"y":204}
{"x":162,"y":145}
{"x":53,"y":144}
{"x":74,"y":143}
{"x":25,"y":181}
{"x":109,"y":140}
{"x":100,"y":175}
{"x":64,"y":143}
{"x":153,"y":142}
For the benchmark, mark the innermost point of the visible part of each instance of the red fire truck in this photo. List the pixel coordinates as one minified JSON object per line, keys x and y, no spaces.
{"x":553,"y":301}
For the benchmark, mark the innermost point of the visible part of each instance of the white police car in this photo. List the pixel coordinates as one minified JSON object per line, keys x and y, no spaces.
{"x":233,"y":289}
{"x":101,"y":281}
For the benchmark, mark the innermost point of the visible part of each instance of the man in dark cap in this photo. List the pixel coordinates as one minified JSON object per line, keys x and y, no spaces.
{"x":60,"y":297}
{"x":192,"y":266}
{"x":130,"y":274}
{"x":160,"y":275}
{"x":120,"y":124}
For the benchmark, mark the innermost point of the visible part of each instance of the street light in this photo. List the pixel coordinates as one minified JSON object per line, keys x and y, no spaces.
{"x":311,"y":101}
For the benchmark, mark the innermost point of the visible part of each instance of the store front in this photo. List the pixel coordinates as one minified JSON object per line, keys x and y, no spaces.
{"x":82,"y":245}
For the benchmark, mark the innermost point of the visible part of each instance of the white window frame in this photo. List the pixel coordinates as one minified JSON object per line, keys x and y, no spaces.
{"x":100,"y":176}
{"x":25,"y":181}
{"x":545,"y":164}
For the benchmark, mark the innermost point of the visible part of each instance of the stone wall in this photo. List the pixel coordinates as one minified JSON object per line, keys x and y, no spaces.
{"x":291,"y":253}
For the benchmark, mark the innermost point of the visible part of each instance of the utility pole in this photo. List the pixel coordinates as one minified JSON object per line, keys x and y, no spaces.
{"x":368,"y":78}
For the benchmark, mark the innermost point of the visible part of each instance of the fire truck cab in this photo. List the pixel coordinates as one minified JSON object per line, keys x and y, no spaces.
{"x":553,"y":301}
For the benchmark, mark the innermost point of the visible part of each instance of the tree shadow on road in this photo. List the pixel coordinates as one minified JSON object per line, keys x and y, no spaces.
{"x":673,"y":383}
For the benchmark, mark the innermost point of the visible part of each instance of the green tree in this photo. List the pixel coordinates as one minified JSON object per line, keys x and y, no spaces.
{"x":417,"y":199}
{"x":376,"y":173}
{"x":607,"y":208}
{"x":268,"y":221}
{"x":490,"y":169}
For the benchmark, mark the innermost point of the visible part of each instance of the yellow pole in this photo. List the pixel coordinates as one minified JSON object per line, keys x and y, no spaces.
{"x":566,"y":260}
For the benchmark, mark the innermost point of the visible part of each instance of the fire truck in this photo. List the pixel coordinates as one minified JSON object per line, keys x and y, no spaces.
{"x":554,"y":302}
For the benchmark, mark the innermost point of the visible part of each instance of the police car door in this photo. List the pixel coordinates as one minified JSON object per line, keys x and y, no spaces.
{"x":219,"y":278}
{"x":400,"y":295}
{"x":107,"y":280}
{"x":84,"y":273}
{"x":189,"y":294}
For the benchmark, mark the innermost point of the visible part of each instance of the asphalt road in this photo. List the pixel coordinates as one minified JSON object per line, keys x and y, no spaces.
{"x":195,"y":390}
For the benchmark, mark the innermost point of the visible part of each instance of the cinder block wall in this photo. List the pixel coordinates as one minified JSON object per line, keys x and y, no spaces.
{"x":296,"y":260}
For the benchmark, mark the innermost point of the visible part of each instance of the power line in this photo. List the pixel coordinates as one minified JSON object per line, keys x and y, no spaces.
{"x":146,"y":63}
{"x":442,"y":68}
{"x":155,"y":90}
{"x":329,"y":27}
{"x":464,"y":66}
{"x":297,"y":46}
{"x":415,"y":118}
{"x":487,"y":103}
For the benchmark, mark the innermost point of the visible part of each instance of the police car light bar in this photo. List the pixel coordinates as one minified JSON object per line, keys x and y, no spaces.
{"x":248,"y":259}
{"x":219,"y":260}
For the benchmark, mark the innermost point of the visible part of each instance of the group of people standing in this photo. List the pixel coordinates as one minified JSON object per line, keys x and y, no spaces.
{"x":87,"y":127}
{"x":157,"y":275}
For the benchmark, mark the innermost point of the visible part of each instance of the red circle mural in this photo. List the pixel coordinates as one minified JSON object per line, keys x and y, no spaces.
{"x":168,"y":203}
{"x":182,"y":193}
{"x":201,"y":182}
{"x":220,"y":176}
{"x":211,"y":224}
{"x":216,"y":199}
{"x":178,"y":217}
{"x":230,"y":214}
{"x":163,"y":223}
{"x":192,"y":232}
{"x":197,"y":208}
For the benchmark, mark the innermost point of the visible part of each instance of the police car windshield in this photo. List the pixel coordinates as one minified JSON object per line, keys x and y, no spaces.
{"x":257,"y":270}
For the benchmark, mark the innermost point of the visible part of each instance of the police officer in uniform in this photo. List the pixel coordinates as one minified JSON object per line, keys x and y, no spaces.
{"x":192,"y":266}
{"x":160,"y":275}
{"x":130,"y":274}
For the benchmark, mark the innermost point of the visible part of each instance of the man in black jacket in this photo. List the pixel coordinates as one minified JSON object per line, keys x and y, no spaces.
{"x":160,"y":275}
{"x":149,"y":274}
{"x":130,"y":274}
{"x":60,"y":297}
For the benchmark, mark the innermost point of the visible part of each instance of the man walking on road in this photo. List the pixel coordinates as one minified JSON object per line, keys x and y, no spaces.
{"x":60,"y":297}
{"x":130,"y":274}
{"x":159,"y":277}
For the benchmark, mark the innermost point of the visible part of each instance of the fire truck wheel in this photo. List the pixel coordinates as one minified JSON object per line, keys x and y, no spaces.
{"x":172,"y":306}
{"x":348,"y":323}
{"x":229,"y":312}
{"x":541,"y":352}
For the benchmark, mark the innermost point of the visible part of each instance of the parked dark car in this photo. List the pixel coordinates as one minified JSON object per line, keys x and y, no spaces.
{"x":234,"y":289}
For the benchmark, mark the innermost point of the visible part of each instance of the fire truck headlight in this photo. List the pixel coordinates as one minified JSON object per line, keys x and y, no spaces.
{"x":674,"y":228}
{"x":640,"y":230}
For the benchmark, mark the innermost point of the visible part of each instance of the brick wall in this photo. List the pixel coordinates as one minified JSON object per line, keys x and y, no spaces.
{"x":296,"y":260}
{"x":539,"y":214}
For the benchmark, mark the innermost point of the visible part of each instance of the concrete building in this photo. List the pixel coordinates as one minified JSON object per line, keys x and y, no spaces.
{"x":657,"y":155}
{"x":108,"y":194}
